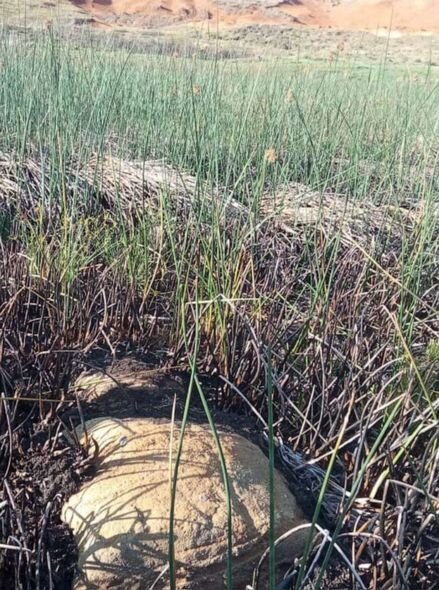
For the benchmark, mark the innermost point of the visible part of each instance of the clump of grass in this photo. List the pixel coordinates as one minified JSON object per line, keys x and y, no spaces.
{"x":99,"y":255}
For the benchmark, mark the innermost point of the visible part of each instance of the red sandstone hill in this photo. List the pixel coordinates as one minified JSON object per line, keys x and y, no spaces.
{"x":405,"y":15}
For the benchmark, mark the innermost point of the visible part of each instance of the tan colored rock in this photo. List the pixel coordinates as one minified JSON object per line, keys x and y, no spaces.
{"x":121,"y":517}
{"x":125,"y":375}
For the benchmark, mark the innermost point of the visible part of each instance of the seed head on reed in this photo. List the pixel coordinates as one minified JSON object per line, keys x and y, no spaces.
{"x":290,"y":95}
{"x":270,"y":155}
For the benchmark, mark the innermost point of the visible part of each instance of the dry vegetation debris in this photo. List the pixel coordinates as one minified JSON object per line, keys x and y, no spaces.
{"x":128,"y":188}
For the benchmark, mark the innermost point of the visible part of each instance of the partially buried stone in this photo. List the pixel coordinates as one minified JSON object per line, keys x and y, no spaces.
{"x":126,"y":388}
{"x":120,"y":518}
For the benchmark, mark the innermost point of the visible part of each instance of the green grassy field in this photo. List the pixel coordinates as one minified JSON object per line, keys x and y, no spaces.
{"x":334,"y":319}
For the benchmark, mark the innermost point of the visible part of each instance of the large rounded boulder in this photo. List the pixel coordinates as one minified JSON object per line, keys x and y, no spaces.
{"x":120,"y":518}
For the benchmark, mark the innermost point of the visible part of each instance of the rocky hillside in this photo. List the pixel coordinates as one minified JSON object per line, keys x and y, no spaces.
{"x":408,"y":15}
{"x":403,"y":15}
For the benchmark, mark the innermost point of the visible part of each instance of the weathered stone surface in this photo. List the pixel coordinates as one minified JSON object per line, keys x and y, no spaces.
{"x":118,"y":389}
{"x":121,"y":517}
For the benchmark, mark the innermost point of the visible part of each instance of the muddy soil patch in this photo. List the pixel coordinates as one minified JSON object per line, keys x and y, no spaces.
{"x":45,"y":472}
{"x":131,"y":388}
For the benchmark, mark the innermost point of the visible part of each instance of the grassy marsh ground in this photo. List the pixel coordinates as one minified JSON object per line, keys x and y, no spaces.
{"x":335,"y":320}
